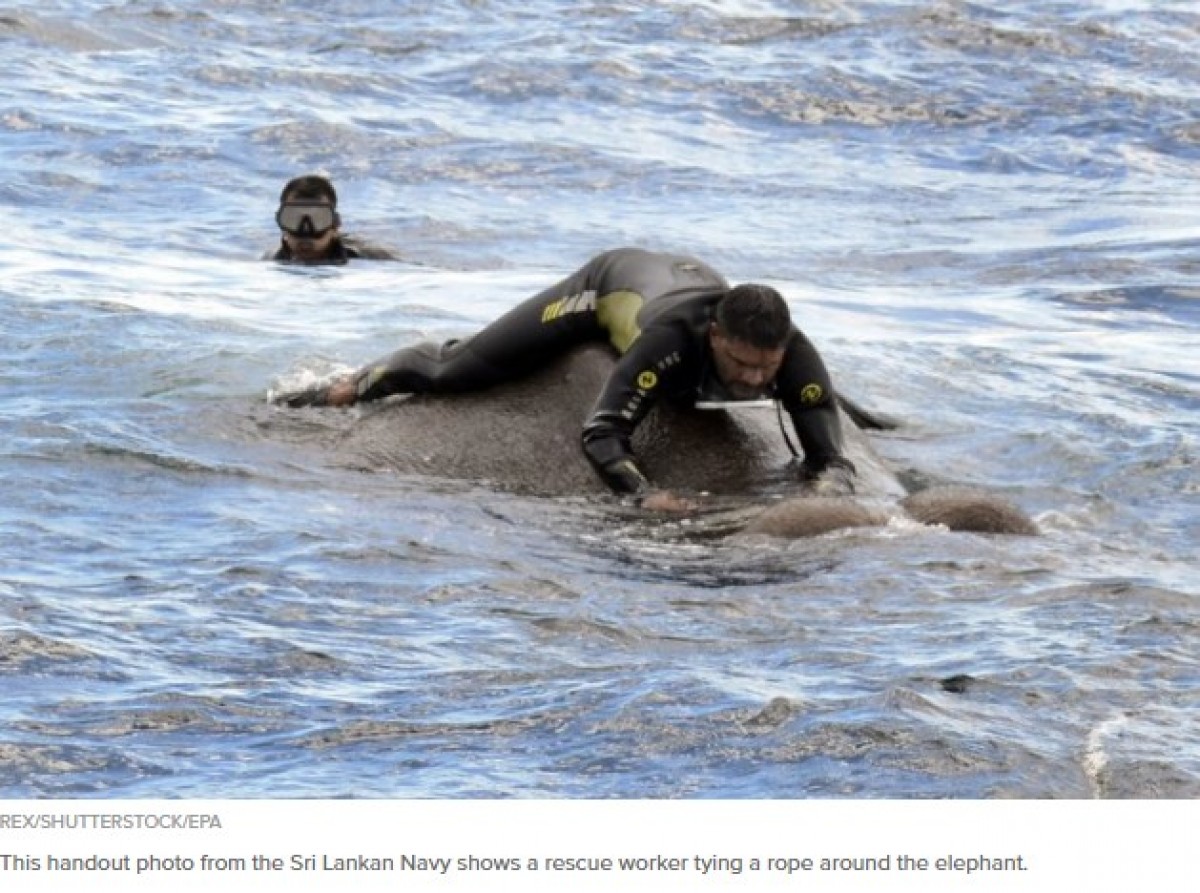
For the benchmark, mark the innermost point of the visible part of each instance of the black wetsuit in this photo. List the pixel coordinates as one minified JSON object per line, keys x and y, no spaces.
{"x":655,"y":310}
{"x":341,"y":249}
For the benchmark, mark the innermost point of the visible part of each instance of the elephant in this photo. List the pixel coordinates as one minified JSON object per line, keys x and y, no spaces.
{"x":524,"y":436}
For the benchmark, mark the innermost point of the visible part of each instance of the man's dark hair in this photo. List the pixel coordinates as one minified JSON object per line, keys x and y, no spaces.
{"x":756,"y":314}
{"x":310,"y":186}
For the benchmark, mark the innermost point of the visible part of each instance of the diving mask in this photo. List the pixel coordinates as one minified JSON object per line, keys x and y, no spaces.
{"x":310,"y":220}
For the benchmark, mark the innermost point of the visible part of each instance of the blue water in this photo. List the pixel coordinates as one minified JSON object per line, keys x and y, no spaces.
{"x":985,"y":216}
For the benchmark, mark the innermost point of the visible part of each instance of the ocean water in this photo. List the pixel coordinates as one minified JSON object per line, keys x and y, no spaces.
{"x":984,"y":214}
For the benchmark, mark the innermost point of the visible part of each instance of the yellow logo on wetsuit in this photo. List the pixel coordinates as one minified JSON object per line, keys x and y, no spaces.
{"x":370,"y":379}
{"x":580,"y":303}
{"x":647,"y":380}
{"x":810,"y":394}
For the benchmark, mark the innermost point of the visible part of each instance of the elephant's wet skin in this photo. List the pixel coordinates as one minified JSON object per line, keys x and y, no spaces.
{"x":524,"y":436}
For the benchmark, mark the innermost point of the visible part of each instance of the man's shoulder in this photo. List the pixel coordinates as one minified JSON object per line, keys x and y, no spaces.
{"x":669,"y":346}
{"x":357,"y":247}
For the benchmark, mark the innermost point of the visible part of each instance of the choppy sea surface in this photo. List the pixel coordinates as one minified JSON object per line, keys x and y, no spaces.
{"x":984,"y":214}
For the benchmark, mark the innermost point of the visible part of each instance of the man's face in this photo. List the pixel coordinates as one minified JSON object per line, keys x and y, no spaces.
{"x":309,"y":227}
{"x":746,"y":371}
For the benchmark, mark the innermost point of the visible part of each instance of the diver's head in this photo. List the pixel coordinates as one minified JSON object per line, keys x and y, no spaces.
{"x":748,"y":338}
{"x":308,"y":217}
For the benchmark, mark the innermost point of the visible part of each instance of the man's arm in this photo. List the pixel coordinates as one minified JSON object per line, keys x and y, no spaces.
{"x":628,"y":395}
{"x":807,"y":393}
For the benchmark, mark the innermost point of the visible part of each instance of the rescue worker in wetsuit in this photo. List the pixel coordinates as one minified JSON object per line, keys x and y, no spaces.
{"x":682,"y":333}
{"x":309,"y":225}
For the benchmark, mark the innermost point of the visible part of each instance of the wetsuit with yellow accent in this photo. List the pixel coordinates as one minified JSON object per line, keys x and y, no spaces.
{"x":655,"y":310}
{"x":671,"y":361}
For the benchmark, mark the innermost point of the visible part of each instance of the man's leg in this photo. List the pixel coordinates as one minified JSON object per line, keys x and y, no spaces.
{"x":525,"y":338}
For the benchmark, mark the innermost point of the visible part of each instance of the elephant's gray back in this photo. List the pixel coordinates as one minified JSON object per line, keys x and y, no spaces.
{"x":525,"y":435}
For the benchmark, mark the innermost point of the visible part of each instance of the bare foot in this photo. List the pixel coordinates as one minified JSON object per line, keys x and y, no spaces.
{"x":341,"y":393}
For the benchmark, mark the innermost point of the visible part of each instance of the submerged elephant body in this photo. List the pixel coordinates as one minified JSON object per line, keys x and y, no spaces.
{"x":525,"y":436}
